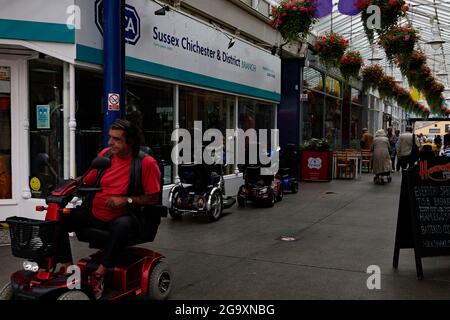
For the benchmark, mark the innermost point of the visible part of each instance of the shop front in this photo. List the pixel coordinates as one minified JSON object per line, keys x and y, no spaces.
{"x":178,"y":70}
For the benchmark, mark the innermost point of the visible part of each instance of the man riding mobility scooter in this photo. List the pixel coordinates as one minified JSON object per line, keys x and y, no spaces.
{"x":138,"y":271}
{"x":201,"y":191}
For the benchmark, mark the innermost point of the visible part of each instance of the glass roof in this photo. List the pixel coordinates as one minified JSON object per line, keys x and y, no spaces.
{"x":423,"y":15}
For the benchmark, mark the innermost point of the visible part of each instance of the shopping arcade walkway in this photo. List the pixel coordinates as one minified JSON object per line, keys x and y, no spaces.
{"x":342,"y":227}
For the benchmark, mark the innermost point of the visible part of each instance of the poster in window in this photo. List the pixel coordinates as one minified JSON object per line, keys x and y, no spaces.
{"x":43,"y":117}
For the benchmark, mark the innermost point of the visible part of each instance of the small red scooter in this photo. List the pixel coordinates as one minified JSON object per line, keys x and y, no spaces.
{"x":139,"y":272}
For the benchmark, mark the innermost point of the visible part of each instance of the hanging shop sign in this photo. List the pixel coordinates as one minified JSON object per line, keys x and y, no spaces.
{"x":132,"y":22}
{"x":181,"y":48}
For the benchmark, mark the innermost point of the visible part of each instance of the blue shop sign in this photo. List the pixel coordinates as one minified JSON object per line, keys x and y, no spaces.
{"x":132,"y":22}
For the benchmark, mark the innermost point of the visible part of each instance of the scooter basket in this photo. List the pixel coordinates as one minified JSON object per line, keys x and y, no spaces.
{"x":32,"y":239}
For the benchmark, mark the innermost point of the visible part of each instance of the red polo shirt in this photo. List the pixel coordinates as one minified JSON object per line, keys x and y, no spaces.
{"x":115,"y":183}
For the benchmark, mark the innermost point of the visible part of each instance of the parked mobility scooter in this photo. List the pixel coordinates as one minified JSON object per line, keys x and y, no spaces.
{"x":288,"y":171}
{"x":138,"y":271}
{"x":201,"y":191}
{"x":258,"y":188}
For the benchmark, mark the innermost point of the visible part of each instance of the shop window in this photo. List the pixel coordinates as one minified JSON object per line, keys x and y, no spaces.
{"x":256,"y":115}
{"x":332,"y":86}
{"x":89,"y":117}
{"x":313,"y":115}
{"x":355,"y":117}
{"x":264,"y":7}
{"x":356,"y":96}
{"x":46,"y":122}
{"x":312,"y":79}
{"x":5,"y":133}
{"x":149,"y":104}
{"x":214,"y":110}
{"x":333,"y":118}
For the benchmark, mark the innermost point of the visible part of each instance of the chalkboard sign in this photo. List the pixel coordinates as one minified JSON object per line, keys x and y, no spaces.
{"x":423,"y":221}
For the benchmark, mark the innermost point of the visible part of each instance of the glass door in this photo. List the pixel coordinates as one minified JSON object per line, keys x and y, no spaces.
{"x":5,"y":133}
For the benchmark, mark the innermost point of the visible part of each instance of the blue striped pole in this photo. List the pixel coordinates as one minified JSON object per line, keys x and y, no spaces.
{"x":114,"y":63}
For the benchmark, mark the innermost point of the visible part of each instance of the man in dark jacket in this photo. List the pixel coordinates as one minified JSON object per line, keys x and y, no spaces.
{"x":447,"y":138}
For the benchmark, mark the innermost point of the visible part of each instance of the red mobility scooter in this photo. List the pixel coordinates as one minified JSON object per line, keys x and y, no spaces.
{"x":138,"y":271}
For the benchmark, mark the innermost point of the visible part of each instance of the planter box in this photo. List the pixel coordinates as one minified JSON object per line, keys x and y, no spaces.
{"x":316,"y":166}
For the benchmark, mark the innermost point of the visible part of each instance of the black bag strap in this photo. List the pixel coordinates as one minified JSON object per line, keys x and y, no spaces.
{"x":108,"y":154}
{"x":135,"y":187}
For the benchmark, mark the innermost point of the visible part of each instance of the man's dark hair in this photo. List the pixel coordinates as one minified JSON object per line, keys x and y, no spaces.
{"x":131,"y":132}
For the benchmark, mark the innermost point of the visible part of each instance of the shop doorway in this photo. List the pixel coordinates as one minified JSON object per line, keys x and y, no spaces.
{"x":8,"y":110}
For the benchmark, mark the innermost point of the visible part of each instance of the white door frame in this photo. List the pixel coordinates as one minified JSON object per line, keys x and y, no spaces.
{"x":20,"y":147}
{"x":14,"y":95}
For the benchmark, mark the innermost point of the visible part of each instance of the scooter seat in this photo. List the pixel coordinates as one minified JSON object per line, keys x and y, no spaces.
{"x":148,"y":223}
{"x":96,"y":238}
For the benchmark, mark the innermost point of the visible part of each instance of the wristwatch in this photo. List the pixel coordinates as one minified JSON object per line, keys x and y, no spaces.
{"x":130,"y":200}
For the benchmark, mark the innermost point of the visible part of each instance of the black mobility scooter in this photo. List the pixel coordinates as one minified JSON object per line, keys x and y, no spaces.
{"x":288,"y":171}
{"x":258,"y":188}
{"x":138,"y":272}
{"x":201,"y":191}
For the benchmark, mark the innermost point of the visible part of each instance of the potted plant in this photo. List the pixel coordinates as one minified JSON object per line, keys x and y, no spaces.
{"x":391,"y":11}
{"x":331,"y":47}
{"x":371,"y":76}
{"x":415,"y":61}
{"x":315,"y":160}
{"x":399,"y":42}
{"x":351,"y":64}
{"x":294,"y":18}
{"x":385,"y":87}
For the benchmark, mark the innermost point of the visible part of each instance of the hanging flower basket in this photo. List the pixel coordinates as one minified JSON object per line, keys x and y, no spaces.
{"x":385,"y":86}
{"x":391,"y":11}
{"x":399,"y":42}
{"x":371,"y":76}
{"x":413,"y":62}
{"x":433,"y":92}
{"x":294,"y":18}
{"x":403,"y":98}
{"x":445,"y":109}
{"x":351,"y":64}
{"x":420,"y":109}
{"x":420,"y":77}
{"x":331,"y":47}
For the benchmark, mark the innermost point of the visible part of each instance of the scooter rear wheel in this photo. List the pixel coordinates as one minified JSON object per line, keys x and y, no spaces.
{"x":73,"y":295}
{"x":294,"y":187}
{"x":241,"y":201}
{"x":160,"y":283}
{"x":7,"y":293}
{"x":215,"y":212}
